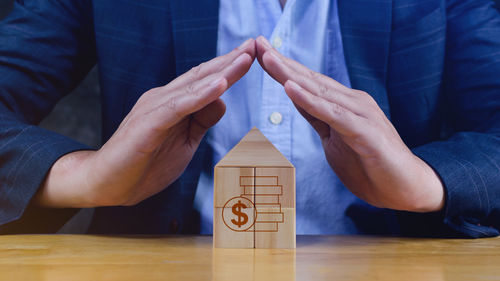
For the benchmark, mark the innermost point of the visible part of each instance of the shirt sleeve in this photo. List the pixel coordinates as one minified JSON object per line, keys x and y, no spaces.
{"x":47,"y":48}
{"x":468,"y":162}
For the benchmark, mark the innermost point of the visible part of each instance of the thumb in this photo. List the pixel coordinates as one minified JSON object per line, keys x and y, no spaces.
{"x":205,"y":118}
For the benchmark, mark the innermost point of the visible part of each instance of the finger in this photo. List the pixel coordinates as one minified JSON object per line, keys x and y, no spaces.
{"x":313,"y":82}
{"x":319,"y":126}
{"x":271,"y":60}
{"x":263,"y":46}
{"x":206,"y":118}
{"x":195,"y":96}
{"x":237,"y":69}
{"x":339,"y":118}
{"x":213,"y":66}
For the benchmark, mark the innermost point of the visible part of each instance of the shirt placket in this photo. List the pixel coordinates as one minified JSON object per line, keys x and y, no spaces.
{"x":276,"y":109}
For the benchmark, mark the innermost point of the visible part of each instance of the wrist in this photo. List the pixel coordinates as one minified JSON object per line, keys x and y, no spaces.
{"x":431,"y":195}
{"x":65,"y":185}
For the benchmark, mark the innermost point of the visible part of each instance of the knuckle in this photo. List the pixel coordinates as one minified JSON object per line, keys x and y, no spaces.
{"x":359,"y":93}
{"x":147,"y":95}
{"x":337,"y":109}
{"x":172,"y":108}
{"x":367,"y":98}
{"x":324,"y":91}
{"x":370,"y":99}
{"x":171,"y":103}
{"x":196,"y":71}
{"x":190,"y":89}
{"x":363,"y":95}
{"x":313,"y":74}
{"x":151,"y":91}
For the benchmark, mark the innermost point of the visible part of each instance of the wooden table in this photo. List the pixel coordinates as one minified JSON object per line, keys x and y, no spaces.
{"x":85,"y":257}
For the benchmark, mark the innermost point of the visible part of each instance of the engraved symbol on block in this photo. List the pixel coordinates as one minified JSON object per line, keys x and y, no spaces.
{"x":262,"y":193}
{"x":238,"y":214}
{"x":266,"y":194}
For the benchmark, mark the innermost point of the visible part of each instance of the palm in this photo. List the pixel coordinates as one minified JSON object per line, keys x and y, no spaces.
{"x":158,"y":138}
{"x":360,"y":143}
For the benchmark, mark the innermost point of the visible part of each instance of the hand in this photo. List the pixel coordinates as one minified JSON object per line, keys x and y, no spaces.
{"x":154,"y":143}
{"x":360,"y":143}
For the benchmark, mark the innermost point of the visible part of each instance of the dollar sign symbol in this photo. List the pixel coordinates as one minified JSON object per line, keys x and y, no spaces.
{"x":242,"y":217}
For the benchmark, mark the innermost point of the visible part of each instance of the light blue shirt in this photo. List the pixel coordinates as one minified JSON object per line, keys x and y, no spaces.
{"x":307,"y":31}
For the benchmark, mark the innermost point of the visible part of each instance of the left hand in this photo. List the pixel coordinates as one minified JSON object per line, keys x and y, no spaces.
{"x":360,"y":143}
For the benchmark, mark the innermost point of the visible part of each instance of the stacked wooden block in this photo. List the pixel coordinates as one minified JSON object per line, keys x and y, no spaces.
{"x":254,"y":196}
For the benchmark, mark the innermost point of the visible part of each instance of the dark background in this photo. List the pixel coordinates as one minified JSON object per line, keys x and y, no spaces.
{"x":78,"y":116}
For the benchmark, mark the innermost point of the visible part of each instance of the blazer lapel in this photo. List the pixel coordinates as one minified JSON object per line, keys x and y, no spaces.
{"x":195,"y":26}
{"x":366,"y":33}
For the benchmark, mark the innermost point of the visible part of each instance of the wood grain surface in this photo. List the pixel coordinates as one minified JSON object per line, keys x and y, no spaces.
{"x":86,"y":257}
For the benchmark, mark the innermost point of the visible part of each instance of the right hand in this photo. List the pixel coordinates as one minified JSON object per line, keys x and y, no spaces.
{"x":154,"y":143}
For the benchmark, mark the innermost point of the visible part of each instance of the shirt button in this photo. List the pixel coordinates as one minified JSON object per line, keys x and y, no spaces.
{"x":277,"y":42}
{"x":276,"y":118}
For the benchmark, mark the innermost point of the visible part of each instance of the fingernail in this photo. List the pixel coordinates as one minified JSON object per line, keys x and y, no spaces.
{"x":275,"y":56}
{"x":239,"y":58}
{"x":264,"y":42}
{"x":294,"y":85}
{"x":216,"y":82}
{"x":245,"y":44}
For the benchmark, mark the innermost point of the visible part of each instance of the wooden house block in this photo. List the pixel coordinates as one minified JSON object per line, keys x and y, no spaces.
{"x":254,"y":196}
{"x":229,"y":235}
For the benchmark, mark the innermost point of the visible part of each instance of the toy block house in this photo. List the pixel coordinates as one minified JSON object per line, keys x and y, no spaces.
{"x":254,"y":196}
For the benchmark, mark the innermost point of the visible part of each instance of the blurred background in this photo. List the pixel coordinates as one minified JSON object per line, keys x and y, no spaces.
{"x":78,"y":116}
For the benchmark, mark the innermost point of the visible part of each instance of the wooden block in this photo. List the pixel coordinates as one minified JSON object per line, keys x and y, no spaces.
{"x":278,"y":234}
{"x":254,"y":150}
{"x":230,"y":182}
{"x":254,"y":196}
{"x":285,"y":180}
{"x":233,"y":235}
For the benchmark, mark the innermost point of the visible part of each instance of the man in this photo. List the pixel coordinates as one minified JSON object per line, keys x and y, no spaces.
{"x":400,"y":136}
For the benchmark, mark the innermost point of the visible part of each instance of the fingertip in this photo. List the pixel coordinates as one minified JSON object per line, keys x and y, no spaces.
{"x":243,"y":63}
{"x":253,"y":49}
{"x":294,"y":91}
{"x":262,"y":42}
{"x":260,"y":47}
{"x":266,"y":60}
{"x":245,"y":44}
{"x":248,"y":58}
{"x":224,"y":84}
{"x":271,"y":62}
{"x":218,"y":86}
{"x":291,"y":85}
{"x":221,"y":106}
{"x":216,"y":82}
{"x":248,"y":47}
{"x":244,"y":58}
{"x":211,"y":114}
{"x":238,"y":68}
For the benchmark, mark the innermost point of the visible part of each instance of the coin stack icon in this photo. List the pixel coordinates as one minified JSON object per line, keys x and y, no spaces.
{"x":264,"y":192}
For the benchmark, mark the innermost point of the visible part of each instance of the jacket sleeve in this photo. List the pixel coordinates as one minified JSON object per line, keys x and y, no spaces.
{"x":468,"y":162}
{"x":46,"y":48}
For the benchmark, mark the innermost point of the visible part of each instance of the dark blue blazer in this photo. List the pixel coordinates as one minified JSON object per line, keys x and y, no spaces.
{"x":432,"y":66}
